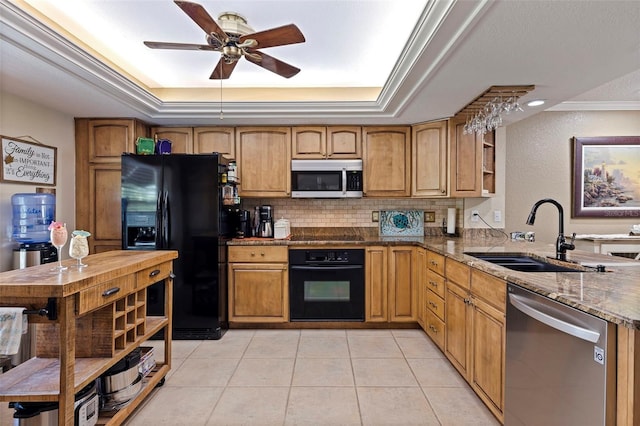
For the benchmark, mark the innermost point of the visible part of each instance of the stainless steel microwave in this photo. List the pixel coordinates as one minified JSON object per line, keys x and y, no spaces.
{"x":326,"y":178}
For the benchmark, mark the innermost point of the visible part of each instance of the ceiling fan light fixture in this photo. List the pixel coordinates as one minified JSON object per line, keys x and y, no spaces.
{"x":231,"y":50}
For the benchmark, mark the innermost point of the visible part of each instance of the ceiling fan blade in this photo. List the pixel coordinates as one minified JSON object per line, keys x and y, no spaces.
{"x":202,"y":18}
{"x":280,"y":36}
{"x":272,"y":64}
{"x":223,"y":70}
{"x":179,"y":46}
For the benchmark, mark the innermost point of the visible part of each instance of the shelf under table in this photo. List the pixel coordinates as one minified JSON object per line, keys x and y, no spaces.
{"x":38,"y":379}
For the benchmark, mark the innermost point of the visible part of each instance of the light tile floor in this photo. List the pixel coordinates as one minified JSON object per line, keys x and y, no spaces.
{"x":312,"y":377}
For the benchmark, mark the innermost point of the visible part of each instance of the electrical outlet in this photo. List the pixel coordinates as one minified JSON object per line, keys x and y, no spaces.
{"x":429,"y":216}
{"x":497,"y":216}
{"x":474,"y":215}
{"x":375,"y":216}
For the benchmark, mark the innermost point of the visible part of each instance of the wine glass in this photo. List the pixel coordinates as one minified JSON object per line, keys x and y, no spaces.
{"x":58,"y":239}
{"x":79,"y":247}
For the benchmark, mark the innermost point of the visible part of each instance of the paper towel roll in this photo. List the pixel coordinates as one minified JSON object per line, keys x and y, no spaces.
{"x":451,"y":221}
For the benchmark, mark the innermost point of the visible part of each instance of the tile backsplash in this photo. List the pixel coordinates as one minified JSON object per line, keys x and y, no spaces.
{"x":346,"y":212}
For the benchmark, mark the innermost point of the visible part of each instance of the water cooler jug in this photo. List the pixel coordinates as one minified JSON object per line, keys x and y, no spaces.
{"x":32,"y":214}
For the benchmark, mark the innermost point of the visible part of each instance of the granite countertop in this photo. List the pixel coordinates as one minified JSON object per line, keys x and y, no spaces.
{"x":613,"y":295}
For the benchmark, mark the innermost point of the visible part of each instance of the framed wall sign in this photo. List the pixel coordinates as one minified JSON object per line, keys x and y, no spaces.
{"x":606,"y":177}
{"x":28,"y":162}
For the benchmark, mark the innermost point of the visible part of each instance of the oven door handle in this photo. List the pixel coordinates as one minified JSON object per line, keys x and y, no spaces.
{"x":326,"y":268}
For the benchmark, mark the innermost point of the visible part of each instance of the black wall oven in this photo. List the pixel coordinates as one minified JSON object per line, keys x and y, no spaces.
{"x":326,"y":284}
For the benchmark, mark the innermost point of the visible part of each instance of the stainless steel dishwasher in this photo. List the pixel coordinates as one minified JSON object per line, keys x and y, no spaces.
{"x":558,"y":360}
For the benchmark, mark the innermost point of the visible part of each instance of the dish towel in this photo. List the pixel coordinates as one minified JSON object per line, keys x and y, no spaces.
{"x":13,"y":324}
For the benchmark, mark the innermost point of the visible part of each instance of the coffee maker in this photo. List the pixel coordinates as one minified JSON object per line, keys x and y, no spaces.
{"x":265,"y":226}
{"x":243,"y":228}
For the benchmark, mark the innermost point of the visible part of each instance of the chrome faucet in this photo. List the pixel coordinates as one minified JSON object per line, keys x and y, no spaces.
{"x":561,"y":244}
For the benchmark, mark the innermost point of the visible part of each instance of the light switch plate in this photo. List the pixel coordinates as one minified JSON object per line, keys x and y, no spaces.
{"x":375,"y":216}
{"x":429,"y":216}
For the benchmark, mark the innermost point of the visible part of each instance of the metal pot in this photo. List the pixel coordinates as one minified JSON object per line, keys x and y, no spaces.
{"x":115,"y":382}
{"x":120,"y":398}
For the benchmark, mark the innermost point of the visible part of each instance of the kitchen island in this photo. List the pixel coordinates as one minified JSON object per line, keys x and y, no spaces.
{"x":613,"y":295}
{"x":92,"y":318}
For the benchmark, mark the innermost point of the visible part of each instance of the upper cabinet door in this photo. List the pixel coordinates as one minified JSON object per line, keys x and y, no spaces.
{"x":386,"y":161}
{"x":466,"y":161}
{"x":263,"y":155}
{"x":181,"y":138}
{"x":429,"y":156}
{"x":108,"y":139}
{"x":333,"y":142}
{"x":207,"y":140}
{"x":344,"y":142}
{"x":308,"y":143}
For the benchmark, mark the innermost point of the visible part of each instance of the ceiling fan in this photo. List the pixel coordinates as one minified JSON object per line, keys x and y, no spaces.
{"x":234,"y":38}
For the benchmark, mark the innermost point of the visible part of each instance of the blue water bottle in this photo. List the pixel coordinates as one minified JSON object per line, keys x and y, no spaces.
{"x":32,"y":214}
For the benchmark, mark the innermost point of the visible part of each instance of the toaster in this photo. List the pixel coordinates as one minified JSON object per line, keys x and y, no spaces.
{"x":281,"y":229}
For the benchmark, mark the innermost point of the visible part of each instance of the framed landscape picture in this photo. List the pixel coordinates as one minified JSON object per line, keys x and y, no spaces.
{"x":606,"y":177}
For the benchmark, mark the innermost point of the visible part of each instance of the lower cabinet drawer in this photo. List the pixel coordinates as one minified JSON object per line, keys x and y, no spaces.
{"x":435,"y":329}
{"x":154,"y":274}
{"x":258,"y":254}
{"x":95,"y":297}
{"x":435,"y":304}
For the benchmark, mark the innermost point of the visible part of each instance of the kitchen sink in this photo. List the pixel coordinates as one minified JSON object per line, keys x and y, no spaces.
{"x":527,"y":263}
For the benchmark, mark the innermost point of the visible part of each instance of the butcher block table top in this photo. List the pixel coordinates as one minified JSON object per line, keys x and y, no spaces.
{"x":41,"y":281}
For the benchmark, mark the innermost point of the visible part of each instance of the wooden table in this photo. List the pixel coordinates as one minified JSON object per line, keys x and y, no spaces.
{"x":97,"y":315}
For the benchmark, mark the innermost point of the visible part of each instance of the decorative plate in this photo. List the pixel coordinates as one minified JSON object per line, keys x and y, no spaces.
{"x":402,"y":223}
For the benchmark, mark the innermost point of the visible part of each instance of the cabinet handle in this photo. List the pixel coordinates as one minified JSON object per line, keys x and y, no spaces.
{"x":112,"y":290}
{"x":253,"y":254}
{"x":154,"y":273}
{"x":433,"y":305}
{"x":432,"y":328}
{"x":434,"y":263}
{"x":262,"y":254}
{"x":443,"y":191}
{"x":433,"y":284}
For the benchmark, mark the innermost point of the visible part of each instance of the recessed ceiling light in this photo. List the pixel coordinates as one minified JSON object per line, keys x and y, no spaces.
{"x":535,"y":102}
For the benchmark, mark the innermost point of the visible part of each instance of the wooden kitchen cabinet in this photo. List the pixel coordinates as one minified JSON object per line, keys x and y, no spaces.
{"x":258,"y":284}
{"x":207,"y":140}
{"x":421,"y":285}
{"x":488,"y":340}
{"x":344,"y":142}
{"x":429,"y":147}
{"x":309,"y":143}
{"x":181,"y":138}
{"x":263,"y":155}
{"x":475,"y":305}
{"x":386,"y":158}
{"x":91,"y":329}
{"x":457,"y":316}
{"x":318,"y":142}
{"x":99,"y":146}
{"x":402,"y":284}
{"x":391,"y":279}
{"x":472,"y":166}
{"x":376,"y":288}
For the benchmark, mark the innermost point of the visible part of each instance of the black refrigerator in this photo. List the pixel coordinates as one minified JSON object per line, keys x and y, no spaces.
{"x":173,"y":202}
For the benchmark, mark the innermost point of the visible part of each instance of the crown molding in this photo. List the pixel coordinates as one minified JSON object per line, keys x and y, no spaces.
{"x":419,"y":60}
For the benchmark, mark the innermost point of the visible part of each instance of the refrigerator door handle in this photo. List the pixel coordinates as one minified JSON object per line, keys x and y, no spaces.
{"x":159,"y":209}
{"x":166,"y":221}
